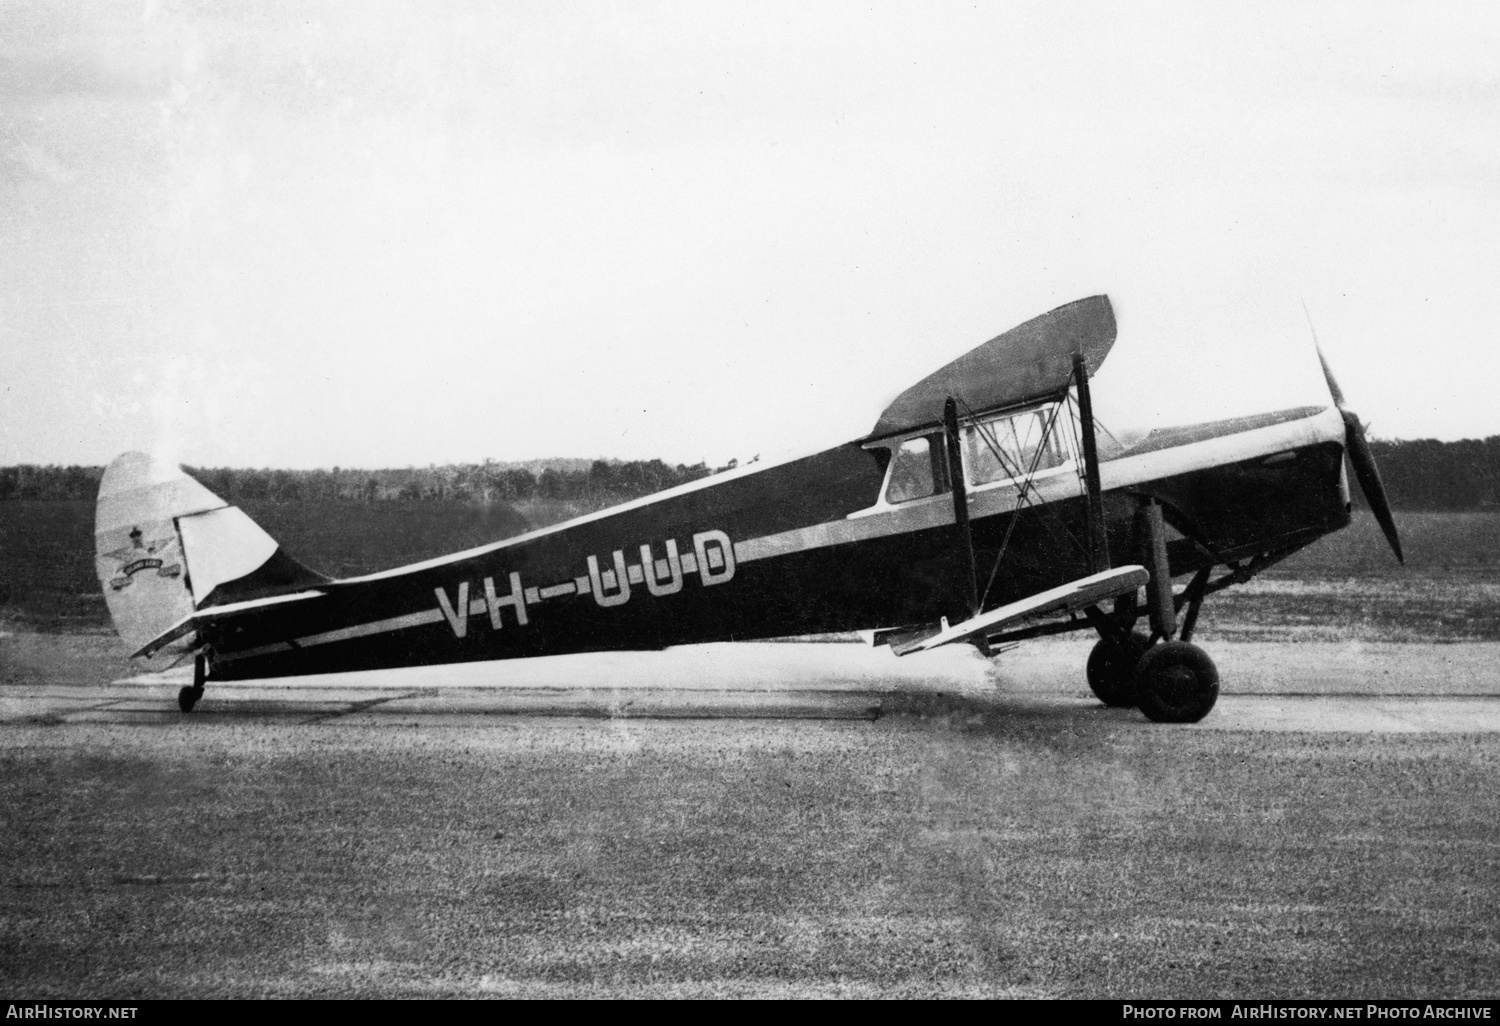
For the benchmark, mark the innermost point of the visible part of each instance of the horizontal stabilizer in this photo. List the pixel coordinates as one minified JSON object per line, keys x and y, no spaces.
{"x":213,"y":614}
{"x":1085,"y":591}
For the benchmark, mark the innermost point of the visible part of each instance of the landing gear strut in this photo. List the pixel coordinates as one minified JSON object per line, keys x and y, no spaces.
{"x":1176,"y":681}
{"x":1173,"y":682}
{"x":188,"y":697}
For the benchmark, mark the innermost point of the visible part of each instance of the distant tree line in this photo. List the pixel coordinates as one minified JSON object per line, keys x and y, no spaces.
{"x":464,"y":483}
{"x":1428,"y":474}
{"x":32,"y":482}
{"x":1422,"y":474}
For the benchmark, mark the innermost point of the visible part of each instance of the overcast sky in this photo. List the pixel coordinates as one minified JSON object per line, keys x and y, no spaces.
{"x":365,"y":234}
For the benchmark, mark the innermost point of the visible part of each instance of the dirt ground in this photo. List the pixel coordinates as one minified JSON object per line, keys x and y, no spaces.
{"x":952,"y":846}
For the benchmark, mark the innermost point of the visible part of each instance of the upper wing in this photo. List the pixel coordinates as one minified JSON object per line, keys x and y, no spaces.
{"x":1072,"y":596}
{"x":1027,"y":362}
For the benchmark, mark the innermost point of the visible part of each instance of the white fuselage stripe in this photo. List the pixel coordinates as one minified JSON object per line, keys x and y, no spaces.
{"x":1126,"y":470}
{"x":1123,"y":472}
{"x":361,"y":630}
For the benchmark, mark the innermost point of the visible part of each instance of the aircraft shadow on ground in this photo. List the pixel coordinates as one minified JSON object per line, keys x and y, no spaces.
{"x":1001,"y":713}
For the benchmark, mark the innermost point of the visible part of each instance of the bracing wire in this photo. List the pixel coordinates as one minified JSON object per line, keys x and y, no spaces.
{"x":1026,"y":492}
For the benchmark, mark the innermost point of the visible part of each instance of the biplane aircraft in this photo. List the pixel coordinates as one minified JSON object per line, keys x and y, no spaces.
{"x":984,"y":507}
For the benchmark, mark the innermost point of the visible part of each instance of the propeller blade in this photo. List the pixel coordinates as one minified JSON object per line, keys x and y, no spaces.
{"x":1368,"y":475}
{"x":1333,"y":385}
{"x":1360,"y":456}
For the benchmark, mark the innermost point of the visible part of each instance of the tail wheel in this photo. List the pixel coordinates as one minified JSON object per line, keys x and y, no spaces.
{"x":188,"y":696}
{"x":1176,"y":682}
{"x":1111,"y":669}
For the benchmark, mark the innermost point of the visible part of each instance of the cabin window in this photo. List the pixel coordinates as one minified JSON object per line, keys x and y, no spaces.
{"x":917,"y":470}
{"x":1004,"y":448}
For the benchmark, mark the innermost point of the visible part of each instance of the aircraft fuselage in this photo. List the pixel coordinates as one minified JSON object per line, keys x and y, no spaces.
{"x":837,"y":541}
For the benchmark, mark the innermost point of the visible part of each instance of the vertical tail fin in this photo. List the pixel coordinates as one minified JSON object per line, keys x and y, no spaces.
{"x":165,"y":546}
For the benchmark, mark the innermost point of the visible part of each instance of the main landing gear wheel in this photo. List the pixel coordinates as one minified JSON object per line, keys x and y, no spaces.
{"x":1111,"y":669}
{"x":1176,"y":682}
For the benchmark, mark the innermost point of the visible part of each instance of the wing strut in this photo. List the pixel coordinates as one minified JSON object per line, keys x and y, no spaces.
{"x":1098,"y":541}
{"x":970,"y":574}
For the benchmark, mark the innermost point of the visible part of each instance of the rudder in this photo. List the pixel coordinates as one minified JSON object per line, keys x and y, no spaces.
{"x":165,"y":546}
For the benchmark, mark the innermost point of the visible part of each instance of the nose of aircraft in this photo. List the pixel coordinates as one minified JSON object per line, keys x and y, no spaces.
{"x":1363,"y":460}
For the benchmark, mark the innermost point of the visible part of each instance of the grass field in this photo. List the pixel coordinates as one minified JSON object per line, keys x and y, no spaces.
{"x":1346,"y":586}
{"x":951,"y":854}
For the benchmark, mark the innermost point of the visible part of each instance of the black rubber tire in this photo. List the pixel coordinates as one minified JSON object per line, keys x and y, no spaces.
{"x":188,"y":697}
{"x":1111,"y":672}
{"x":1176,"y":682}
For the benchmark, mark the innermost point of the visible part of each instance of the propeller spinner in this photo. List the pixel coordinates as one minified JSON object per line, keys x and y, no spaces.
{"x":1363,"y":460}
